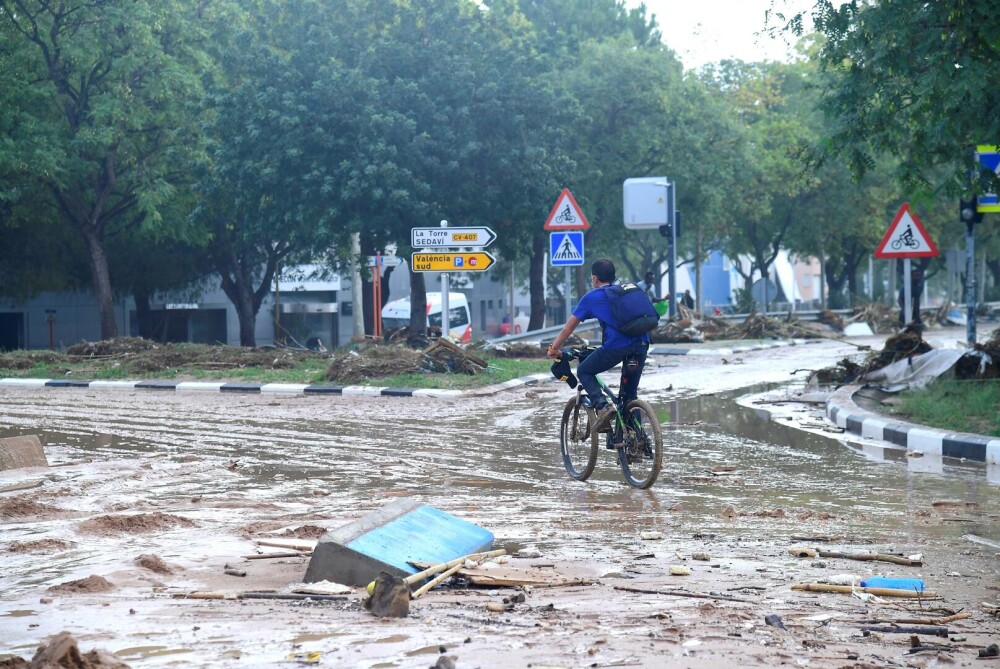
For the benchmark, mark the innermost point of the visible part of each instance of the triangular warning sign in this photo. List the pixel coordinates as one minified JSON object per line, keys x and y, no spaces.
{"x":906,"y":238}
{"x":566,"y":214}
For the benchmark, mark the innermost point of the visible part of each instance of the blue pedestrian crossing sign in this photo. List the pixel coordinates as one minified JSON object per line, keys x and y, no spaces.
{"x":566,"y":248}
{"x":989,"y":159}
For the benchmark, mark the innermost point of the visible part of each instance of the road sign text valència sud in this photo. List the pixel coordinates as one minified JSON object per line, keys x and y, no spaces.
{"x":451,"y":262}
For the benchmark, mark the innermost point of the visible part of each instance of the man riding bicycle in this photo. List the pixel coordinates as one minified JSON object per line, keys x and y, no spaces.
{"x":616,"y":347}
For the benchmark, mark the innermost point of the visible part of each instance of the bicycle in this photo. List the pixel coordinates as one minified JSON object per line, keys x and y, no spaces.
{"x":634,"y":432}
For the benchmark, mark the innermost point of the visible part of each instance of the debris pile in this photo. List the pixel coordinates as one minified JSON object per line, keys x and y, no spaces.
{"x":676,"y":332}
{"x":444,"y":356}
{"x":513,"y":349}
{"x":371,"y":362}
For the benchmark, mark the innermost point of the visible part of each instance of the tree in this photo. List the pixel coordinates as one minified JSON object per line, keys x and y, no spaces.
{"x":916,"y":80}
{"x":101,"y":129}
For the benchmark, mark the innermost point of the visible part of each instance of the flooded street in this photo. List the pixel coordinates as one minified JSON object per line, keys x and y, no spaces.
{"x":211,"y":472}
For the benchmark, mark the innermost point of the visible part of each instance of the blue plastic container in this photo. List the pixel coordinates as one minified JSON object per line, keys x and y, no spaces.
{"x":896,"y":583}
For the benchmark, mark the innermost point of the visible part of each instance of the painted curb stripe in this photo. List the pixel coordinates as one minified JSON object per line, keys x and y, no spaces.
{"x":199,"y":385}
{"x":324,"y":390}
{"x":116,"y":385}
{"x":157,"y":385}
{"x":25,"y":383}
{"x":928,"y":441}
{"x":239,"y":388}
{"x":66,"y":383}
{"x":284,"y":387}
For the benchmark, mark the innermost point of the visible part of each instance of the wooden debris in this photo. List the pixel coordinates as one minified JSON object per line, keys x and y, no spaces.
{"x":880,"y":592}
{"x":682,"y":593}
{"x":444,"y":356}
{"x":867,"y":557}
{"x":893,"y":629}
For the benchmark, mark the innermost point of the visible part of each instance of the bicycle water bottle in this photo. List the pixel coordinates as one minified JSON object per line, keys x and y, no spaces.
{"x":894,"y":583}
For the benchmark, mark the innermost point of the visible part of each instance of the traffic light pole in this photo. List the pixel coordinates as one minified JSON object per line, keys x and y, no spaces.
{"x":970,"y":282}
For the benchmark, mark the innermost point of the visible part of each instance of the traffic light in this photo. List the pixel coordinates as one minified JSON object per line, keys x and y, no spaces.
{"x":967,"y":211}
{"x":667,"y":232}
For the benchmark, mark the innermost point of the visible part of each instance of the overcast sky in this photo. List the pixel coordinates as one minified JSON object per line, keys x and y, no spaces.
{"x":705,"y":31}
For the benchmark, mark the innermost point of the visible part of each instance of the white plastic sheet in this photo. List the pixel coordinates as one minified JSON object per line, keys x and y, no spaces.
{"x":915,"y":372}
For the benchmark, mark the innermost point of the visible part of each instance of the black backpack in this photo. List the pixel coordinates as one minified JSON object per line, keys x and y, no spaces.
{"x":633,"y":312}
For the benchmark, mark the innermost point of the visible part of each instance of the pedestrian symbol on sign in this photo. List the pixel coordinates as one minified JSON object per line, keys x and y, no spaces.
{"x":566,"y":248}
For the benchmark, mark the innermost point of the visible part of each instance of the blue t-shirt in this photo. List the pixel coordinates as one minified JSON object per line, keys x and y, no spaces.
{"x":595,"y":305}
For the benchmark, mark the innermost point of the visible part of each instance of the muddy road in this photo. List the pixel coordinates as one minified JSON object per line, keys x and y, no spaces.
{"x":190,"y":481}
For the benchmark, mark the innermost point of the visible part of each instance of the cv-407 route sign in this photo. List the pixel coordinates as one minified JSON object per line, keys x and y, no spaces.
{"x":434,"y":238}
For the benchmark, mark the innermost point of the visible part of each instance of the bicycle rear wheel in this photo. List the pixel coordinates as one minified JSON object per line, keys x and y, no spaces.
{"x":579,"y":453}
{"x":641,"y":453}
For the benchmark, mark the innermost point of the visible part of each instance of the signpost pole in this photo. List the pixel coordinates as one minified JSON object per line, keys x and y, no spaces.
{"x":970,"y":283}
{"x":907,"y":293}
{"x":569,"y":293}
{"x":445,"y":314}
{"x":672,"y":214}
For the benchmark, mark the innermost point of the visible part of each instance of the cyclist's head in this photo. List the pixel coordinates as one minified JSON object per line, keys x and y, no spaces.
{"x":604,"y":270}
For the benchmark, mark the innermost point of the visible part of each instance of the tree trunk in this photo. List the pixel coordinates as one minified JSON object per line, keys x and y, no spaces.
{"x":102,"y":282}
{"x":536,"y":282}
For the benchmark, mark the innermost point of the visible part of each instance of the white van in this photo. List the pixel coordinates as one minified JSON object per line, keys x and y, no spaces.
{"x":396,"y":315}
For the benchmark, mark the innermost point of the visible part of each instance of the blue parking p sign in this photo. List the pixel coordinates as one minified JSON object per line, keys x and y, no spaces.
{"x":566,"y":248}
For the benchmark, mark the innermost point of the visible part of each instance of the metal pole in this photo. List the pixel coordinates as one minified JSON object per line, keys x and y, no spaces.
{"x":356,"y":294}
{"x":970,"y":283}
{"x":445,"y":316}
{"x":512,"y":310}
{"x":569,"y":292}
{"x":672,"y":269}
{"x":907,"y":293}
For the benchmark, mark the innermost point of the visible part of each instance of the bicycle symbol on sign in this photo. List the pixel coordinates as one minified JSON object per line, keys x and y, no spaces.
{"x":566,"y":216}
{"x":906,"y":239}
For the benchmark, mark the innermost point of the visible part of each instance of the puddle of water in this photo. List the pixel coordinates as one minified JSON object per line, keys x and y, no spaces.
{"x":317,"y":636}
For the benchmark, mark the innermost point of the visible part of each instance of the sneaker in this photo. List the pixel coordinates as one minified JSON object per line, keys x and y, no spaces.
{"x":605,"y":415}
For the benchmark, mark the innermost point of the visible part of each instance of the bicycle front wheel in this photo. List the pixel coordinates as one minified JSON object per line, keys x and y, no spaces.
{"x":579,"y":453}
{"x":641,"y":452}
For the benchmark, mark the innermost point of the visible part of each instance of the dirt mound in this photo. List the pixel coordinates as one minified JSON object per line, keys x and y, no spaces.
{"x":39,"y":546}
{"x":512,"y":350}
{"x":371,"y":362}
{"x":62,"y":651}
{"x":83,"y":585}
{"x":153,"y":563}
{"x":29,"y":359}
{"x":304,"y":532}
{"x":134,"y":524}
{"x":18,"y":508}
{"x":119,"y":346}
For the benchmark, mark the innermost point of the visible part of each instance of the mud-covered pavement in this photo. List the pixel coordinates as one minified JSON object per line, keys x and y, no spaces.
{"x":190,"y":480}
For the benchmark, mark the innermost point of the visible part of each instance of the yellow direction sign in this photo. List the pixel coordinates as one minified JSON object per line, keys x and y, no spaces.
{"x":451,"y":262}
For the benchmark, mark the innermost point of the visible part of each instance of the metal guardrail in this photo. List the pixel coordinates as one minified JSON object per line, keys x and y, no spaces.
{"x":589,"y":326}
{"x":810,"y":314}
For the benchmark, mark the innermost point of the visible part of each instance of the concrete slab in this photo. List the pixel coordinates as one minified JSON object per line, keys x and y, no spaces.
{"x":388,"y":539}
{"x":18,"y":452}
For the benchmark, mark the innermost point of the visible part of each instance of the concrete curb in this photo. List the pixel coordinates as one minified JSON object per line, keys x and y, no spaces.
{"x":288,"y":388}
{"x":842,"y":411}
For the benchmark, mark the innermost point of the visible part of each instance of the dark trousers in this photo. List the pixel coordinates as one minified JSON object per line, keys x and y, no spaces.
{"x":602,"y":360}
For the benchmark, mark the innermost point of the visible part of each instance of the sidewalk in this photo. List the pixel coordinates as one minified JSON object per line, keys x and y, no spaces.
{"x":844,"y":412}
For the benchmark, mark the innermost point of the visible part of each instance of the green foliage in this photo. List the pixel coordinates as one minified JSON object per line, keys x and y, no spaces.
{"x":916,"y":80}
{"x":963,"y":406}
